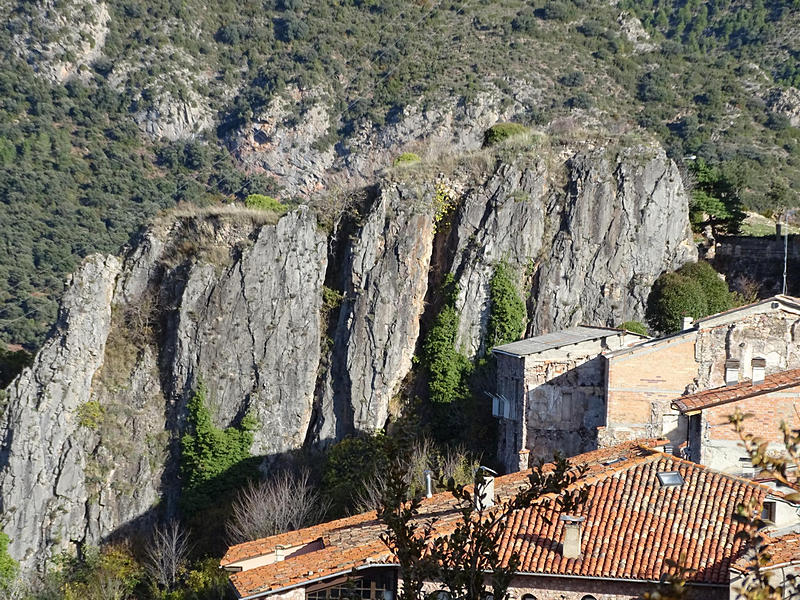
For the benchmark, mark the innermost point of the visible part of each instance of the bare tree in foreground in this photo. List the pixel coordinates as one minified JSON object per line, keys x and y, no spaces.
{"x":167,"y":553}
{"x":283,"y":503}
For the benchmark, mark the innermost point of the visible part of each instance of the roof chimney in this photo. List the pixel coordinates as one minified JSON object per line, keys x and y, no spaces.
{"x":428,"y":483}
{"x":571,"y":548}
{"x":759,"y":368}
{"x":687,"y":323}
{"x":484,"y":488}
{"x":731,"y":372}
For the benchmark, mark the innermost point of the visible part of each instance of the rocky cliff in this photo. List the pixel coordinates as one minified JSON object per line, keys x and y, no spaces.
{"x":235,"y":298}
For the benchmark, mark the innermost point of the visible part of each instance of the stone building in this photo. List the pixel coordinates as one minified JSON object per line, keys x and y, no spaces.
{"x":587,"y":387}
{"x":550,"y":392}
{"x":769,"y":399}
{"x":722,"y":349}
{"x":645,"y":509}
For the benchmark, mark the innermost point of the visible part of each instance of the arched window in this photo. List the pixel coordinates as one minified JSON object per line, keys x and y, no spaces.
{"x":528,"y":597}
{"x":588,"y":597}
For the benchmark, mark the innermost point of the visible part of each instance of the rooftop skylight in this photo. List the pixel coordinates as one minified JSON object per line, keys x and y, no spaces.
{"x":668,"y":478}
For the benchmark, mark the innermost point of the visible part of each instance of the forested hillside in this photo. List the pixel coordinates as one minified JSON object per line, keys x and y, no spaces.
{"x":112,"y":112}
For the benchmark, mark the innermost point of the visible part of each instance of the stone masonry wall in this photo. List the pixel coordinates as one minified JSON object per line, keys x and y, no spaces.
{"x":773,"y":335}
{"x":566,"y":588}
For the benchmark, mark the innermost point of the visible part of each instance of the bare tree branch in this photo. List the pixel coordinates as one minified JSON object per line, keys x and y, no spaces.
{"x":166,"y":554}
{"x":283,"y":503}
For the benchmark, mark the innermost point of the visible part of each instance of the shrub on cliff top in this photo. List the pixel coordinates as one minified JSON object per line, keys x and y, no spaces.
{"x":406,"y":158}
{"x":501,"y":132}
{"x":261,"y":202}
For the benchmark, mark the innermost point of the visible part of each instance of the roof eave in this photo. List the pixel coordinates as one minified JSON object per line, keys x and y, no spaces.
{"x":265,"y":593}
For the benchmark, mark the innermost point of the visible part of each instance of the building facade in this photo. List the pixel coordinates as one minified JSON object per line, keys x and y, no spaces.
{"x":550,"y":392}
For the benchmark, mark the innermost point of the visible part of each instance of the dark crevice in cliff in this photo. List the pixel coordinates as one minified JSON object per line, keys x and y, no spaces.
{"x":331,"y":369}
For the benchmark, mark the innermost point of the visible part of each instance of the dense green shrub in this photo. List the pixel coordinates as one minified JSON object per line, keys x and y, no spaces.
{"x":99,"y":573}
{"x":715,"y":290}
{"x":406,"y":158}
{"x":211,"y":458}
{"x":447,"y":367}
{"x":634,"y":327}
{"x":694,"y":290}
{"x":262,"y":202}
{"x":507,"y":310}
{"x":672,"y":298}
{"x":499,"y":133}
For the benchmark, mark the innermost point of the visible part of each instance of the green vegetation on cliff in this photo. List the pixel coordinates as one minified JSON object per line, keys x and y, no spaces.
{"x":79,"y":173}
{"x":695,"y":290}
{"x":214,"y":461}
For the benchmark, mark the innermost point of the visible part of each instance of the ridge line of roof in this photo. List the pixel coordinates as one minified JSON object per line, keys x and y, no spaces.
{"x":749,"y":391}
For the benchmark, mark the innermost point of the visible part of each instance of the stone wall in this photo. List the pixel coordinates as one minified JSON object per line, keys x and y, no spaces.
{"x":772,"y":335}
{"x":559,"y":399}
{"x":760,"y":259}
{"x":567,"y":588}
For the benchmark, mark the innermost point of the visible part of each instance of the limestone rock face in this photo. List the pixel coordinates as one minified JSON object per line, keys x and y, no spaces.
{"x":236,"y":298}
{"x":621,"y":226}
{"x":384,"y":278}
{"x":43,"y":490}
{"x":503,"y":220}
{"x":585,"y":251}
{"x":89,"y":431}
{"x":258,"y":324}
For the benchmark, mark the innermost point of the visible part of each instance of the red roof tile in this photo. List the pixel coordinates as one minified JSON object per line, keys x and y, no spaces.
{"x":632,"y":527}
{"x":780,"y":550}
{"x":740,"y":391}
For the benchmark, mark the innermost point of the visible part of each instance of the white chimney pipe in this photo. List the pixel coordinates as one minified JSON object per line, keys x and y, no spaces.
{"x":759,"y":369}
{"x":731,"y":372}
{"x":571,"y":548}
{"x":428,"y":483}
{"x":484,"y":488}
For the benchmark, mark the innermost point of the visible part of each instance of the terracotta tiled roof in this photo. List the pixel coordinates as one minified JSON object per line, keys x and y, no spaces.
{"x":740,"y":391}
{"x":780,"y":550}
{"x":633,"y":527}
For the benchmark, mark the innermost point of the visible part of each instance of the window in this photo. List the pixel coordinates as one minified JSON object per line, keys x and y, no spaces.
{"x":587,"y":597}
{"x":768,"y":511}
{"x":379,"y":585}
{"x":528,"y":597}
